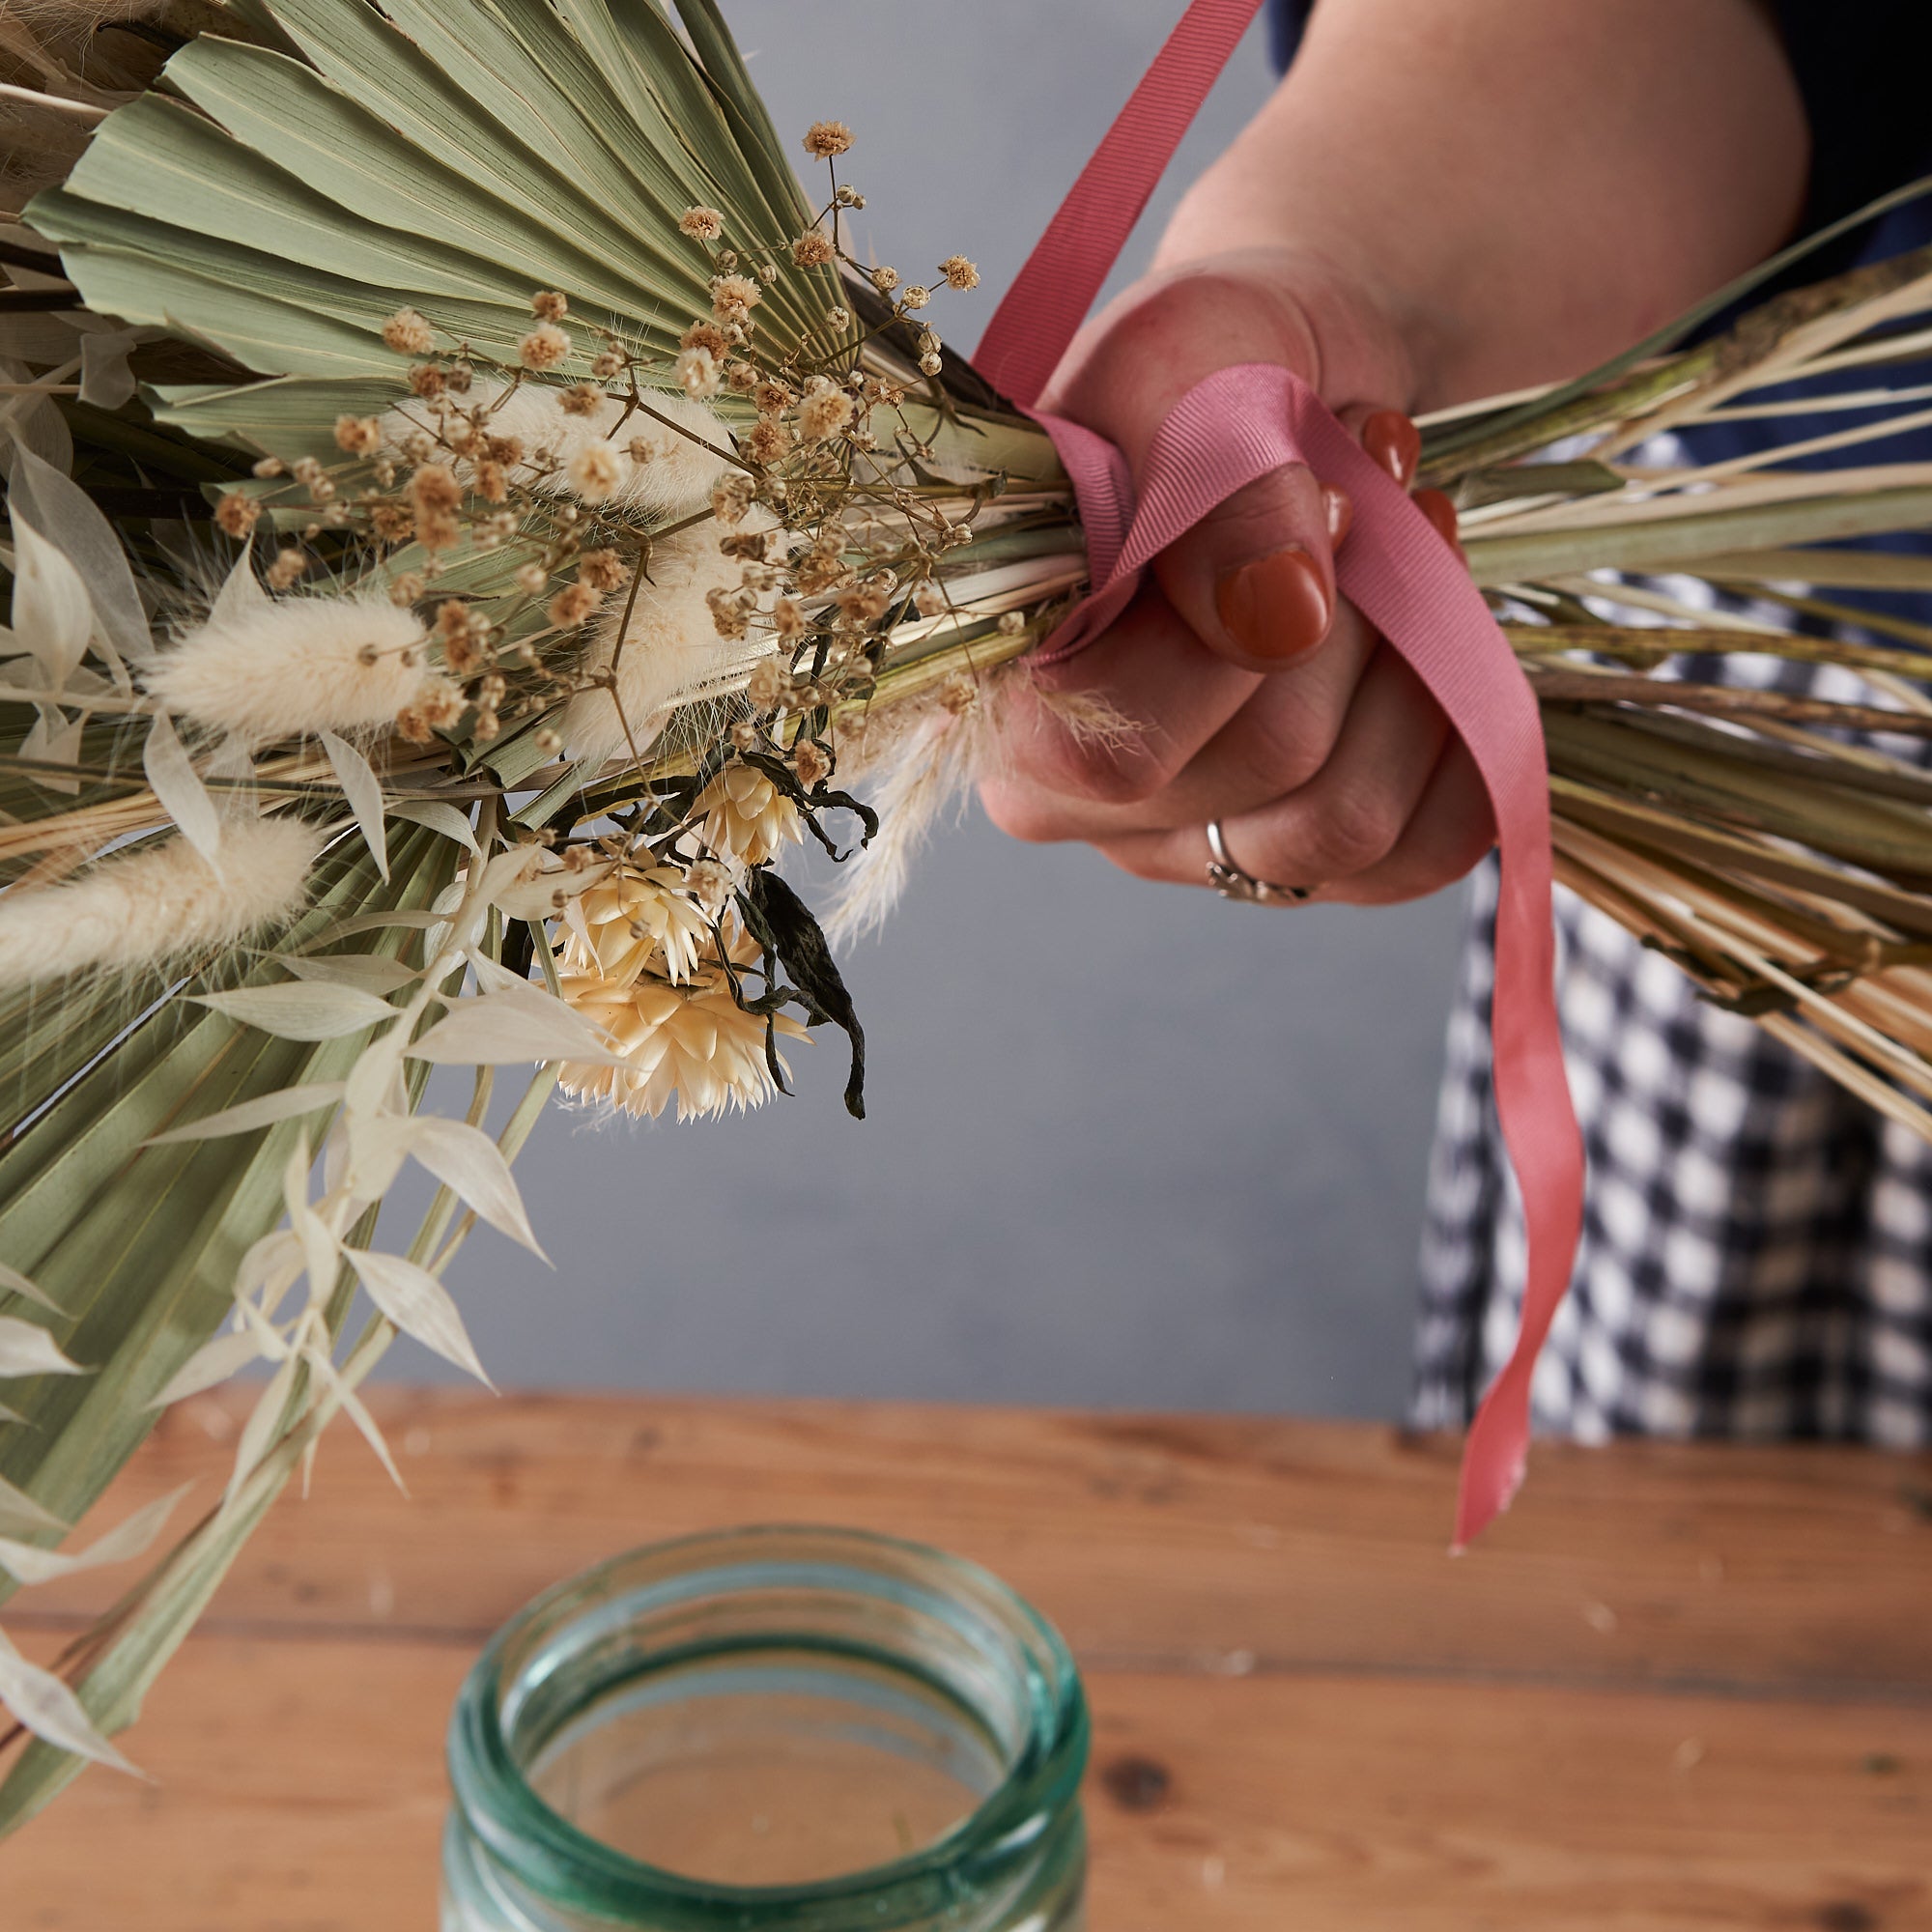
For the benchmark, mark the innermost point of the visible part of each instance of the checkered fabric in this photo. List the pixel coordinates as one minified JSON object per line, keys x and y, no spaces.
{"x":1758,"y":1245}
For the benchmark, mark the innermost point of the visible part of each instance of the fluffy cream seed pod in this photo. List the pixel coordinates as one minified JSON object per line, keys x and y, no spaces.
{"x":672,"y":651}
{"x":160,"y":903}
{"x":288,"y":668}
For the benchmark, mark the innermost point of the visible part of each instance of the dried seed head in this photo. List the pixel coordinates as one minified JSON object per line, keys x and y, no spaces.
{"x":916,"y":297}
{"x":432,"y":488}
{"x":358,"y":436}
{"x":581,"y":399}
{"x":237,"y":514}
{"x":408,"y":334}
{"x":770,"y":442}
{"x":823,"y":412}
{"x":731,"y":498}
{"x":572,"y":604}
{"x":885,"y":280}
{"x":602,"y":570}
{"x":702,"y":224}
{"x":407,"y":588}
{"x":733,"y":297}
{"x":548,"y":305}
{"x":544,"y":347}
{"x":610,"y":365}
{"x":931,"y":363}
{"x":705,"y":335}
{"x":697,"y":373}
{"x":768,"y":685}
{"x":287,"y":568}
{"x":532,"y":576}
{"x":827,"y":140}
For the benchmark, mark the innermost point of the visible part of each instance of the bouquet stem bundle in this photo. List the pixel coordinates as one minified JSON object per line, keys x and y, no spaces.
{"x":470,"y":515}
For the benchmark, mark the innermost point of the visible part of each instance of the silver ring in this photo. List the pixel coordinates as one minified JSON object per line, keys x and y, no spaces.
{"x":1232,"y":883}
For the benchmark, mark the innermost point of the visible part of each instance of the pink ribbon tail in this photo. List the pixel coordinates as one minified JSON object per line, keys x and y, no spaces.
{"x":1236,"y":426}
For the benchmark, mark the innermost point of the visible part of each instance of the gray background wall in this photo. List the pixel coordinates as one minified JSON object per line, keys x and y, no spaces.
{"x":1128,"y":1144}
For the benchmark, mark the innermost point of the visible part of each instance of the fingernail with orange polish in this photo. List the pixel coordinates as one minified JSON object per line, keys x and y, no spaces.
{"x":1277,"y":607}
{"x":1441,"y":512}
{"x":1340,"y":510}
{"x":1395,"y":443}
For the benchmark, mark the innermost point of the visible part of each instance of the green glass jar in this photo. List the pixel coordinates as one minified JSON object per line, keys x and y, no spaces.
{"x":771,"y":1730}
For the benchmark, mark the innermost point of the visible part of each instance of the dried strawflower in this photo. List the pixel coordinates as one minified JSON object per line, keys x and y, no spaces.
{"x":544,"y":347}
{"x":769,"y":396}
{"x":959,"y":273}
{"x":827,"y":140}
{"x":746,"y":815}
{"x":408,"y":334}
{"x":813,"y":249}
{"x":706,"y":335}
{"x":702,"y":224}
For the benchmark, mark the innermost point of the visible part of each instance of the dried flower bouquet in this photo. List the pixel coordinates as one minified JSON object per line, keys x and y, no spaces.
{"x":470,"y":515}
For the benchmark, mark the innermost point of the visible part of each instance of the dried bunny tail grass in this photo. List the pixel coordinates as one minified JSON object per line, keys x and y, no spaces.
{"x":74,"y":19}
{"x":672,"y":651}
{"x":657,"y":470}
{"x":160,"y":903}
{"x":923,"y":761}
{"x":286,"y":668}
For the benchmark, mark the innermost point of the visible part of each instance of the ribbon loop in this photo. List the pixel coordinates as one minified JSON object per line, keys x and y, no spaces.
{"x":1234,"y":427}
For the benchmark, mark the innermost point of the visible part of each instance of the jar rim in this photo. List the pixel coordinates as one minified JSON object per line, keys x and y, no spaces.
{"x":566,"y":1864}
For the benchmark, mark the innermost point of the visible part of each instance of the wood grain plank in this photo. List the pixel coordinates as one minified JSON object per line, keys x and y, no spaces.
{"x":1213,"y":1544}
{"x":299,"y":1790}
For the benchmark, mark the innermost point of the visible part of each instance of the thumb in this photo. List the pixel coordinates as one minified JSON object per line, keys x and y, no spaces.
{"x":1254,"y":579}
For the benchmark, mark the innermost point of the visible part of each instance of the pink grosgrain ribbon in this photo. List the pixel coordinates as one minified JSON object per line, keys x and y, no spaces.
{"x":1229,"y":430}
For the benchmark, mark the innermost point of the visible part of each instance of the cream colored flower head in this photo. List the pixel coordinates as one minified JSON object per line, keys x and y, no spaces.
{"x":747,"y":817}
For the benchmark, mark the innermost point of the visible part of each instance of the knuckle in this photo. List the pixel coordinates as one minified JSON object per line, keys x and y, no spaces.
{"x":1127,"y":773}
{"x":1355,"y":832}
{"x":1020,"y":815}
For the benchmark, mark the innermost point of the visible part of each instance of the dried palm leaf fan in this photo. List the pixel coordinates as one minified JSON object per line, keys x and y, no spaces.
{"x":500,"y":520}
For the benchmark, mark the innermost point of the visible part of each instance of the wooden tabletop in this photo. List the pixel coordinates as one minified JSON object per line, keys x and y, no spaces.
{"x":1676,"y":1687}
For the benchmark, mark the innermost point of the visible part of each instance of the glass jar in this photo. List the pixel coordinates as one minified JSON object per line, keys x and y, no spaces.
{"x":773,"y":1730}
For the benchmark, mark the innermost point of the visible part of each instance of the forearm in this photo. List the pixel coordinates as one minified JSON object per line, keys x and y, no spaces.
{"x":1519,"y":188}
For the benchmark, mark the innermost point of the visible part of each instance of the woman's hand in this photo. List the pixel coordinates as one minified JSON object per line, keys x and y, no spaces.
{"x":1248,"y":690}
